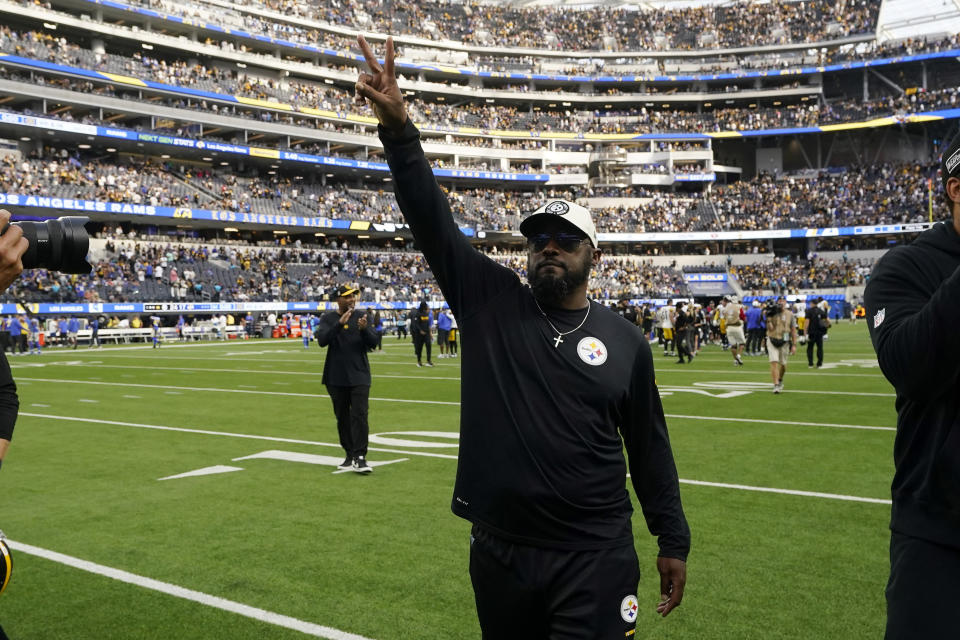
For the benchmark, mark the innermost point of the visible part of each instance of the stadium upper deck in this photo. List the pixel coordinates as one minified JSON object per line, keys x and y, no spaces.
{"x":242,"y":97}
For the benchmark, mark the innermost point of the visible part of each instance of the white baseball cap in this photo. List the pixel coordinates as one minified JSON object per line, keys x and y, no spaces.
{"x":570,"y":212}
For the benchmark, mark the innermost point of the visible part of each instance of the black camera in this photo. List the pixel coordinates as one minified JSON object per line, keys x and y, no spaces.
{"x":59,"y":245}
{"x":772,"y":307}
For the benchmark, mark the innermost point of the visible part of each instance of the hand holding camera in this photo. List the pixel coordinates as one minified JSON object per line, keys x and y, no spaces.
{"x":12,"y":247}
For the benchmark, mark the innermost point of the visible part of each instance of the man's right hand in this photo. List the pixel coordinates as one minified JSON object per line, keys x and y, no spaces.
{"x":380,"y":88}
{"x":12,"y":247}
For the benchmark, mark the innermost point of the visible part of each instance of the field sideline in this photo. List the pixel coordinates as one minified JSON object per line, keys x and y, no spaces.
{"x":191,"y":492}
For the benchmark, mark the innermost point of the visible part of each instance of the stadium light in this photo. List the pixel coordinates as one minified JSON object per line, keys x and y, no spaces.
{"x":224,"y":163}
{"x":399,"y":238}
{"x":148,"y":47}
{"x":229,"y":229}
{"x":25,"y":138}
{"x":49,"y":25}
{"x":320,"y":235}
{"x":363,"y":237}
{"x":165,"y":156}
{"x":111,"y":150}
{"x":327,"y":81}
{"x":241,"y":65}
{"x":278,"y":232}
{"x":207,"y":159}
{"x":83,"y":146}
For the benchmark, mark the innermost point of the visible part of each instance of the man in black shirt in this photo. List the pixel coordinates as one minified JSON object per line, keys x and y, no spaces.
{"x":912,"y":307}
{"x":816,"y":323}
{"x":682,"y":325}
{"x":553,"y":387}
{"x":421,"y":328}
{"x":346,"y":373}
{"x":627,"y":310}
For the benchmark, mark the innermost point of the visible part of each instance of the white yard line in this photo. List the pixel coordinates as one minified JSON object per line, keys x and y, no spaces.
{"x":766,"y":372}
{"x":262,"y":615}
{"x":787,"y":422}
{"x":404,"y":400}
{"x":228,"y":434}
{"x":790,"y":492}
{"x":793,"y":492}
{"x":165,"y":387}
{"x":185,"y":370}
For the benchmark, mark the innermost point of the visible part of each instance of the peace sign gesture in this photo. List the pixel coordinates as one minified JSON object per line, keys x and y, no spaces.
{"x":380,"y":89}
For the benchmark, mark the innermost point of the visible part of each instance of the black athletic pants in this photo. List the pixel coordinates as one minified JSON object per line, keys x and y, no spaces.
{"x":923,"y":591}
{"x":531,"y":593}
{"x":418,"y":342}
{"x":350,"y":406}
{"x":814,"y":339}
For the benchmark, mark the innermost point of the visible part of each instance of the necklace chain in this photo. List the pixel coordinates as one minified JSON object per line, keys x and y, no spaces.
{"x":560,"y":334}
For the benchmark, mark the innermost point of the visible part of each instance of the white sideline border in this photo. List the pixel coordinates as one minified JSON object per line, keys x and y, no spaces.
{"x":262,"y":615}
{"x":793,"y":492}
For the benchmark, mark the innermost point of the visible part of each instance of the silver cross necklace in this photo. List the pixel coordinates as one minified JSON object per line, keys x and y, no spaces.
{"x":560,"y":334}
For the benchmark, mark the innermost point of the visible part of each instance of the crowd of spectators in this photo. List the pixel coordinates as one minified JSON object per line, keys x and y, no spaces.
{"x":876,"y":194}
{"x":130,"y":270}
{"x":445,"y":117}
{"x":135,"y":271}
{"x":785,"y":276}
{"x":734,"y":24}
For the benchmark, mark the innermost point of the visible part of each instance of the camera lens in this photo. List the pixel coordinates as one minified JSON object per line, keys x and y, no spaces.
{"x":59,"y":245}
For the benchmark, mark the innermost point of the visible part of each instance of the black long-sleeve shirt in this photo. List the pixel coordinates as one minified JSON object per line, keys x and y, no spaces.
{"x":9,"y":402}
{"x":346,"y":364}
{"x":541,"y":457}
{"x":913,"y":310}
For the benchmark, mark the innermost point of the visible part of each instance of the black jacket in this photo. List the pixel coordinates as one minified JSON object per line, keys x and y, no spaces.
{"x":346,"y":364}
{"x":543,"y":425}
{"x":913,"y":311}
{"x":816,"y":320}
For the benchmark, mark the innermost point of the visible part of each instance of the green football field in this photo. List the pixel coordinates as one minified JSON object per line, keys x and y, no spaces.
{"x":191,"y":492}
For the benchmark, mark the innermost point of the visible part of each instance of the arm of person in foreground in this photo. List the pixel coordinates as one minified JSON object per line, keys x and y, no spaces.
{"x":905,"y":321}
{"x":655,"y":480}
{"x":460,"y":270}
{"x":12,"y":247}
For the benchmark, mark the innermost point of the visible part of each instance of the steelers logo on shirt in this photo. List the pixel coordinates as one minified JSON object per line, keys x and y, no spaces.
{"x":629,"y":608}
{"x":592,"y":351}
{"x":557,"y":208}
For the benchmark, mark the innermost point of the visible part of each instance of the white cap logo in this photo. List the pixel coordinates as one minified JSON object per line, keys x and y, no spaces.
{"x":557,"y":208}
{"x":952,"y":161}
{"x":570,"y":212}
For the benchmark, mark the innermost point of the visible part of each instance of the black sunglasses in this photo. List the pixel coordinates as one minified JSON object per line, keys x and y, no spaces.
{"x":567,"y":242}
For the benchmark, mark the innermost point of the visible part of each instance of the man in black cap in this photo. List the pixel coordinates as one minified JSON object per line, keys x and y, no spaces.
{"x":421,"y":328}
{"x":912,"y":306}
{"x":554,"y":388}
{"x":346,"y":373}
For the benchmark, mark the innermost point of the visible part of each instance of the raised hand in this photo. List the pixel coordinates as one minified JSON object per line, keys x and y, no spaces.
{"x":379,"y":88}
